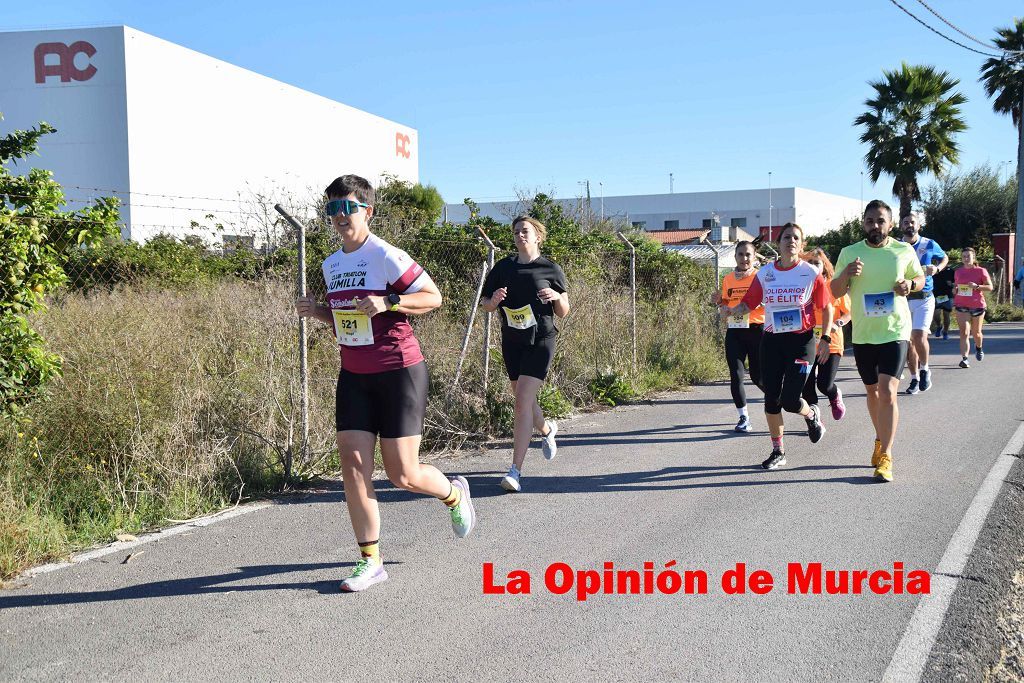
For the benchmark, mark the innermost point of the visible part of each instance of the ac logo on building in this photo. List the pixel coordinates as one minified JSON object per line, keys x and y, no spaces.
{"x":65,"y":66}
{"x":402,"y":143}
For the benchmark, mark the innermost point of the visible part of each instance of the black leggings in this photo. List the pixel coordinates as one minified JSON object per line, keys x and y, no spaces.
{"x":743,"y":344}
{"x":823,"y":375}
{"x":786,"y":360}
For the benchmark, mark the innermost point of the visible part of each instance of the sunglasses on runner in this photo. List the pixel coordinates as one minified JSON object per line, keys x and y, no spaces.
{"x":345,"y":207}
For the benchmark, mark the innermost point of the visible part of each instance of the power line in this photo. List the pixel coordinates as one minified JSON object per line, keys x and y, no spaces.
{"x":959,"y":30}
{"x":943,"y":35}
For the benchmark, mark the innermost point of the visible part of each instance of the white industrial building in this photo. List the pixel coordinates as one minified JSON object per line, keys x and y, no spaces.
{"x":179,"y":136}
{"x":749,"y":211}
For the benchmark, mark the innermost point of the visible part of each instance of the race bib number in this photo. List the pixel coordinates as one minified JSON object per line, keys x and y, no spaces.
{"x":520,"y":318}
{"x":817,"y":333}
{"x":739,"y":321}
{"x":352,"y":328}
{"x":787,"y":320}
{"x":964,"y":290}
{"x":879,"y":305}
{"x":941,"y":299}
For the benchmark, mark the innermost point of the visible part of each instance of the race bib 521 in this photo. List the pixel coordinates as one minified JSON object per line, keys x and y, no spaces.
{"x":520,"y":318}
{"x":879,"y":305}
{"x":352,"y":328}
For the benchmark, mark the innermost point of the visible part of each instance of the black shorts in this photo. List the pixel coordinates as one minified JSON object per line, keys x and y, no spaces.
{"x":946,"y":305}
{"x":391,"y":403}
{"x":530,"y":357}
{"x":880,"y":359}
{"x":975,"y":312}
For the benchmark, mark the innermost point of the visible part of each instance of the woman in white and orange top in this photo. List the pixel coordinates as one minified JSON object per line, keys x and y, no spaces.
{"x":743,"y":332}
{"x":823,"y":374}
{"x":969,"y":301}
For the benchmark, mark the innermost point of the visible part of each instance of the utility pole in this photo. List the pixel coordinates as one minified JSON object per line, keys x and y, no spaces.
{"x":602,"y":198}
{"x":770,"y":206}
{"x":670,"y":184}
{"x":1019,"y":242}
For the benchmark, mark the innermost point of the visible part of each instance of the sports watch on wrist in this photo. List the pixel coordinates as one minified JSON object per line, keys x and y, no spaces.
{"x":393,"y":301}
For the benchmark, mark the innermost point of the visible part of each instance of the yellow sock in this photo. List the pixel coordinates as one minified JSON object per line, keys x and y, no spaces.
{"x":371,"y":550}
{"x":453,"y":498}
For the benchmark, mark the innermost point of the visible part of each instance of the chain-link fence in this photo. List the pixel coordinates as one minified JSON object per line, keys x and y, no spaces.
{"x":182,"y":373}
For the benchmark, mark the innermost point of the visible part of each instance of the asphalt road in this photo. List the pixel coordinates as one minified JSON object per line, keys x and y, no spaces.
{"x":255,"y":597}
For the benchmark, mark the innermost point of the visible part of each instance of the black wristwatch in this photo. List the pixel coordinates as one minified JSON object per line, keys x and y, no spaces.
{"x":826,"y":338}
{"x":393,"y":301}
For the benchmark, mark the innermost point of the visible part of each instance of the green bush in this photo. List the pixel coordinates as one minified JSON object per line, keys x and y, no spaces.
{"x":611,"y":389}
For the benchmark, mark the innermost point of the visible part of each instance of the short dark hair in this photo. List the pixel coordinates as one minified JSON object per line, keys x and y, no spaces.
{"x":352,"y":184}
{"x":878,"y":204}
{"x":743,"y":243}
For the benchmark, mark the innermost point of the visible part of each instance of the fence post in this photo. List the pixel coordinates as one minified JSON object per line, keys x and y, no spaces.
{"x":487,"y":318}
{"x":472,"y":316}
{"x":632,"y":288}
{"x":303,"y":364}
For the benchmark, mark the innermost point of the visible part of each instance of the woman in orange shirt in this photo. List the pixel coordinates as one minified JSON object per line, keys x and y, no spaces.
{"x":743,"y":333}
{"x":823,"y":375}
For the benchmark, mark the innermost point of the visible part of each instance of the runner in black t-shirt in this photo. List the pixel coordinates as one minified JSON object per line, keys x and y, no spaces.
{"x":529,"y":291}
{"x":943,"y":291}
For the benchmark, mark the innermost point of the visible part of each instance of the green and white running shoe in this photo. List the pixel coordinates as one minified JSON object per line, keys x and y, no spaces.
{"x":548,"y":447}
{"x":366,"y":573}
{"x":463,"y":514}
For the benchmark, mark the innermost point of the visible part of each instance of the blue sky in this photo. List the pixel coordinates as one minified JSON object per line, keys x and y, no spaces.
{"x":541,"y":95}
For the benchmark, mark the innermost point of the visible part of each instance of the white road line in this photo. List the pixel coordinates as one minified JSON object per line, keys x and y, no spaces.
{"x":121,"y":546}
{"x":912,"y":653}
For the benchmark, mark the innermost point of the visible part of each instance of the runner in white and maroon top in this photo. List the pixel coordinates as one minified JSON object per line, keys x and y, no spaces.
{"x":790,"y":290}
{"x":372,"y":288}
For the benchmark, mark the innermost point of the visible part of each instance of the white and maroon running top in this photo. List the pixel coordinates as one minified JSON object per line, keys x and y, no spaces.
{"x":789,"y":296}
{"x":385,"y":341}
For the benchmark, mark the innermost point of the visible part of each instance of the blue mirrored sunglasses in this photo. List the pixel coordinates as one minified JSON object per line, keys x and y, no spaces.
{"x":345,"y":207}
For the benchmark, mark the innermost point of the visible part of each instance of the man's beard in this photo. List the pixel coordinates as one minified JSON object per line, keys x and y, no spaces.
{"x":876,"y":237}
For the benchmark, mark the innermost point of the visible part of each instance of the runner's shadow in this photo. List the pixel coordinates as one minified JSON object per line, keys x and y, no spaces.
{"x":196,"y":585}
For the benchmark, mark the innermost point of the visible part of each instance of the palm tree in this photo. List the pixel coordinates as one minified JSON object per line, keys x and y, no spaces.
{"x":910,"y":127}
{"x":1004,"y":78}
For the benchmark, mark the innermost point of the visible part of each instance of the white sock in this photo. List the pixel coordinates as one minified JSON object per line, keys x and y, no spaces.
{"x":743,"y":412}
{"x":925,"y":368}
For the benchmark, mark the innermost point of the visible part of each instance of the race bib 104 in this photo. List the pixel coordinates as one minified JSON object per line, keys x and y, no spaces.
{"x":879,"y":305}
{"x":787,"y":320}
{"x":520,"y":318}
{"x":739,"y":321}
{"x":352,"y":328}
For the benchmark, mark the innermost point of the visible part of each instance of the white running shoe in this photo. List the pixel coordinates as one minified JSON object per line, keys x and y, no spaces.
{"x":549,"y":447}
{"x":366,"y":573}
{"x":463,"y":514}
{"x":510,"y":482}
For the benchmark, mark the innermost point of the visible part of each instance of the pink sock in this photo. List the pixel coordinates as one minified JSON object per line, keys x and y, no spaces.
{"x":777,"y":442}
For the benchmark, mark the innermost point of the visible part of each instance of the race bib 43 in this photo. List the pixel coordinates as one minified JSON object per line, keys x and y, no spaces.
{"x":879,"y":305}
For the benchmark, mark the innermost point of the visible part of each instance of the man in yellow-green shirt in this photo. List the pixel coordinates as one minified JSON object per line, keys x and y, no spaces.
{"x":878,"y":273}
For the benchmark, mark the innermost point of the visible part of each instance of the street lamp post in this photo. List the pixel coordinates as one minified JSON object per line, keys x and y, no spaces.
{"x":602,"y":198}
{"x":769,"y":206}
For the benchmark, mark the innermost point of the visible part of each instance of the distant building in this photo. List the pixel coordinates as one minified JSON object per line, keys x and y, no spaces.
{"x":178,"y":135}
{"x":728,"y":215}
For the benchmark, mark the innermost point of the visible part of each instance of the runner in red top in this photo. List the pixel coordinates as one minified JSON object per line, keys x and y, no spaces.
{"x":791,"y":291}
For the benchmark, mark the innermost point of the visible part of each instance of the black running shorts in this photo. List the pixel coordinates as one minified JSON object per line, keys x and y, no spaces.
{"x":530,"y":357}
{"x":880,"y":359}
{"x":975,"y":312}
{"x":391,"y":404}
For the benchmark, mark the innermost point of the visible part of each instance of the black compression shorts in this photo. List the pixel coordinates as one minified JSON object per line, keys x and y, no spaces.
{"x":531,"y":357}
{"x":880,"y":359}
{"x":391,"y":404}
